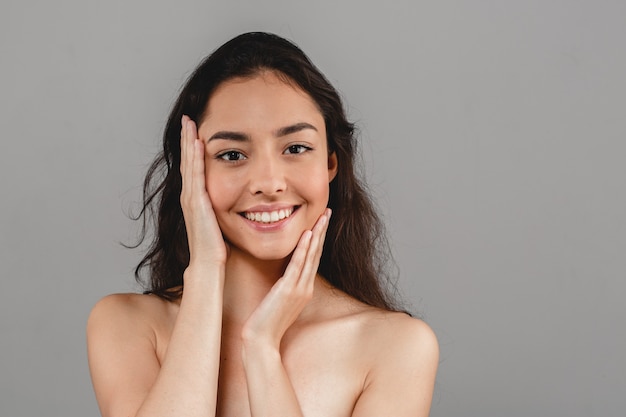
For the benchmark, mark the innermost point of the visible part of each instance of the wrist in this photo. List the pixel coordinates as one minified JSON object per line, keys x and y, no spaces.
{"x":196,"y":274}
{"x":259,"y":351}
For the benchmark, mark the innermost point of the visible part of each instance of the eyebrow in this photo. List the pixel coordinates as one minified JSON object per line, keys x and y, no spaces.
{"x":227,"y":135}
{"x":242,"y":137}
{"x":288,"y":130}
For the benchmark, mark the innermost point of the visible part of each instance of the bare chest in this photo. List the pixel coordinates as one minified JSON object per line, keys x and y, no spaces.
{"x":326,"y":380}
{"x":327,"y":364}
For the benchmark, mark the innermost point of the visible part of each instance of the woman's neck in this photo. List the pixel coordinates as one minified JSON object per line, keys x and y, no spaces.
{"x":247,"y":282}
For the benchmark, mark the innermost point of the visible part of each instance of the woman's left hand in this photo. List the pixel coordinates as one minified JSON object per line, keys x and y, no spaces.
{"x":290,"y":294}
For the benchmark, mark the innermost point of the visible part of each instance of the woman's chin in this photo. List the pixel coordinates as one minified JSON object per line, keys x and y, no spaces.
{"x":271,"y":253}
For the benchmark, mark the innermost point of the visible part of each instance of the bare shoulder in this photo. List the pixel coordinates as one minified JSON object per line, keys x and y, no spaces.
{"x":123,"y":346}
{"x":128,"y":308}
{"x":120,"y":313}
{"x":386,"y":334}
{"x":404,"y":359}
{"x":398,"y":333}
{"x":131,"y":320}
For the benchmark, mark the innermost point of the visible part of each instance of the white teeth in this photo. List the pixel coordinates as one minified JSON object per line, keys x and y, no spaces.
{"x":269,"y":216}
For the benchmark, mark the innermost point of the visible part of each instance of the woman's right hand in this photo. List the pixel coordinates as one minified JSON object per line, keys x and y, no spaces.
{"x":206,"y":244}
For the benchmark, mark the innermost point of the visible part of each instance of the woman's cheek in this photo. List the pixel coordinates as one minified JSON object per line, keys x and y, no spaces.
{"x":320,"y":192}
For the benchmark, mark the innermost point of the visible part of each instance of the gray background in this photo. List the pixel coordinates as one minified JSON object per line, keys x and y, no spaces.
{"x":494,"y":139}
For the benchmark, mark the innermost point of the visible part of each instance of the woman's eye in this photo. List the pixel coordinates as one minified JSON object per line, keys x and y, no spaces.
{"x":293,"y":149}
{"x":231,"y":156}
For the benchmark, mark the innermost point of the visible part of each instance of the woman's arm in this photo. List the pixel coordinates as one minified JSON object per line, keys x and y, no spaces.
{"x":270,"y":391}
{"x":402,"y":376}
{"x":126,"y":373}
{"x":127,"y":376}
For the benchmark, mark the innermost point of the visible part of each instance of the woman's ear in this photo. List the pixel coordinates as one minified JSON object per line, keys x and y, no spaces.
{"x":332,"y":166}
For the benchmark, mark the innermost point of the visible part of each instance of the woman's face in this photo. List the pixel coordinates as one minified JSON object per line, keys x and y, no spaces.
{"x":267,"y":164}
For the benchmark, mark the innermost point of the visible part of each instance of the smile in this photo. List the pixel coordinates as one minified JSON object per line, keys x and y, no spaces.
{"x":268,"y":216}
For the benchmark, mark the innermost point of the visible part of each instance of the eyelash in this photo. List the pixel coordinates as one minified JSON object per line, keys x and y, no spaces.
{"x":236,"y":156}
{"x":225,"y":156}
{"x":300,"y":146}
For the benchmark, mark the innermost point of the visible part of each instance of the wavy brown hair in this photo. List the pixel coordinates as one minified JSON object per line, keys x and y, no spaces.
{"x":356,"y":252}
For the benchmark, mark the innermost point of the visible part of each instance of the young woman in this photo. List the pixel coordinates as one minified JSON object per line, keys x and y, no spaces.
{"x":265,"y":295}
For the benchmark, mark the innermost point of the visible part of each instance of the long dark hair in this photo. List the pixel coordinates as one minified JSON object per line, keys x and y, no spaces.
{"x":355,"y":252}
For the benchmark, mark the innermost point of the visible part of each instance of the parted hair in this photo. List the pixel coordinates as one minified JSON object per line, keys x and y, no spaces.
{"x":356,"y":254}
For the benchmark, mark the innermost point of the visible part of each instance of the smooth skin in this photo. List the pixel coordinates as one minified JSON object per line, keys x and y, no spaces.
{"x":257,"y":332}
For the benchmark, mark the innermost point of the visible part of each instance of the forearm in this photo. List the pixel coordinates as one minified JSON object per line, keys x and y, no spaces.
{"x":187,"y":381}
{"x":270,"y":391}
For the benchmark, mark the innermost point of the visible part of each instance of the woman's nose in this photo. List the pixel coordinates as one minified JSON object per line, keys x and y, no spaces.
{"x":267,"y":177}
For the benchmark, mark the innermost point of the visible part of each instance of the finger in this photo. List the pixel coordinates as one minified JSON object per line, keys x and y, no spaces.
{"x":183,"y":149}
{"x":319,"y":234}
{"x":314,"y":253}
{"x":324,"y":230}
{"x":184,"y":155}
{"x":197,"y":170}
{"x":199,"y":181}
{"x":294,"y":268}
{"x":190,"y":152}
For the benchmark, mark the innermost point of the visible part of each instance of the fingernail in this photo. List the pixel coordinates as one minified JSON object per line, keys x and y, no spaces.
{"x":329,"y":213}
